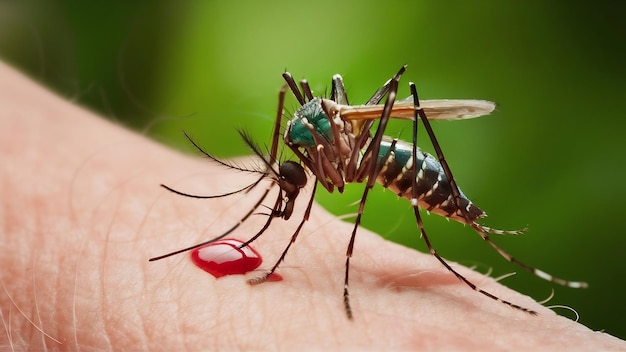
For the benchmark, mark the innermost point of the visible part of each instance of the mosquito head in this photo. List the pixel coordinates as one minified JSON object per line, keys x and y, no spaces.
{"x":292,"y":178}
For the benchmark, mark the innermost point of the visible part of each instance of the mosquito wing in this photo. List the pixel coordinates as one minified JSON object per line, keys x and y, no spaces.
{"x":441,"y":109}
{"x":451,"y":109}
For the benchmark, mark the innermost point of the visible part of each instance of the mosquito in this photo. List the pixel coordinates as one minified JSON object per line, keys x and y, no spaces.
{"x":333,"y":140}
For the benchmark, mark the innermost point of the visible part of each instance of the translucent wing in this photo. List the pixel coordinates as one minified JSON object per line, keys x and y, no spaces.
{"x":441,"y":109}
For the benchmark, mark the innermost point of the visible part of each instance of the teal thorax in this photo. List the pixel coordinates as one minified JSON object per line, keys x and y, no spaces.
{"x":310,"y":113}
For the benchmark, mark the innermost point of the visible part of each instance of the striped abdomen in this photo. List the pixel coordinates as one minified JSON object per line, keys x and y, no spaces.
{"x":434,"y":192}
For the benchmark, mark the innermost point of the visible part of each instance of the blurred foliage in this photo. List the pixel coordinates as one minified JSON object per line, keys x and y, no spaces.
{"x":551,"y":157}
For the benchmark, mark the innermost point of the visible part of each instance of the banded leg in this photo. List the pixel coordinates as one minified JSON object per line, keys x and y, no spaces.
{"x":459,"y":276}
{"x":418,"y":218}
{"x":540,"y":273}
{"x":372,"y":168}
{"x":351,"y":168}
{"x":480,"y":229}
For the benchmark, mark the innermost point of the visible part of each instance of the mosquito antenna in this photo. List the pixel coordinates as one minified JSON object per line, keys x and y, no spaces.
{"x":255,"y":148}
{"x":218,"y":160}
{"x":223,"y":163}
{"x":246,"y":188}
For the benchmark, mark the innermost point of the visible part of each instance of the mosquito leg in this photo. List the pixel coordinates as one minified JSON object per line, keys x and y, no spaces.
{"x":459,"y":276}
{"x":380,"y":93}
{"x":480,"y":229}
{"x":488,"y":229}
{"x":374,"y":169}
{"x":456,"y":193}
{"x":346,"y":294}
{"x":442,"y":160}
{"x":420,"y":224}
{"x":294,"y":87}
{"x":338,"y":88}
{"x":338,"y":92}
{"x":276,"y":209}
{"x":374,"y":145}
{"x":305,"y":218}
{"x":304,"y":84}
{"x":536,"y":272}
{"x":277,"y":123}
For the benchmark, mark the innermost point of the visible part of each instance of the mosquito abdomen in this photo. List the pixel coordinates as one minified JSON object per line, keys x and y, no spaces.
{"x":434,"y":192}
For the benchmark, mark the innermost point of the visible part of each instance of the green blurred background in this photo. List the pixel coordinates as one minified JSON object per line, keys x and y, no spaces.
{"x":551,"y":157}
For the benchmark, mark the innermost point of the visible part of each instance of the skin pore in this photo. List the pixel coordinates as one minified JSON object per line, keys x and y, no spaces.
{"x":82,"y":211}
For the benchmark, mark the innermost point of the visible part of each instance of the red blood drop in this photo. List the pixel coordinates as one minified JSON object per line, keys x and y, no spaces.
{"x":224,"y":257}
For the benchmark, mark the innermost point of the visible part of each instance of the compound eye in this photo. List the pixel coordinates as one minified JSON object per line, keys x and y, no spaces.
{"x":293,"y":174}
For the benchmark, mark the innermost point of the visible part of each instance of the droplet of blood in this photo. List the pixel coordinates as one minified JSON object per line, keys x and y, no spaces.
{"x":224,"y":257}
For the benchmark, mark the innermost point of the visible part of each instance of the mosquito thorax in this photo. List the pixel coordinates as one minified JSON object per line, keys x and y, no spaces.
{"x":310,"y":115}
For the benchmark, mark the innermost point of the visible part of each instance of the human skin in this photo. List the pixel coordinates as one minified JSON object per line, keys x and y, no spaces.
{"x":82,"y":211}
